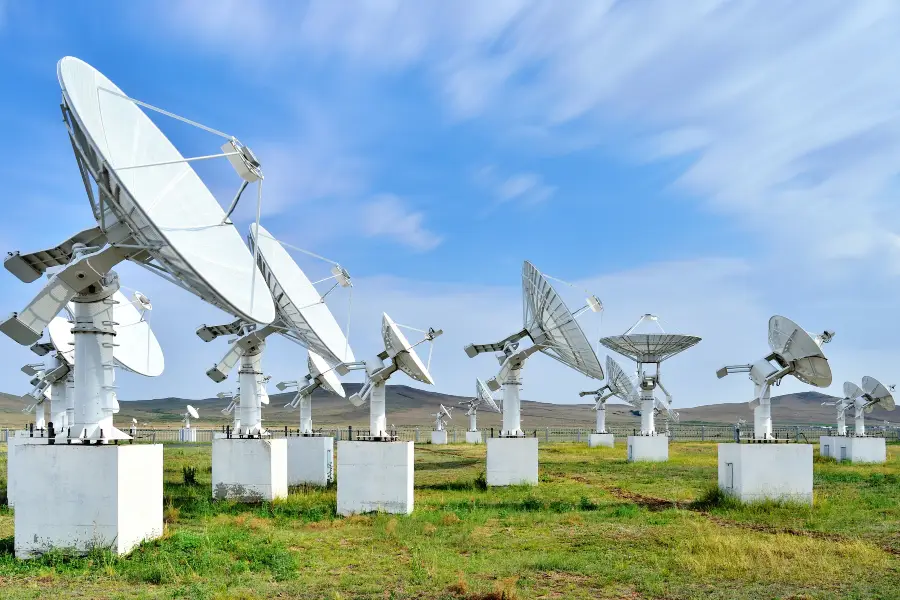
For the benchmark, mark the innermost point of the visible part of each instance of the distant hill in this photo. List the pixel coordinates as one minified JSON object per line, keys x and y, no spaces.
{"x":410,"y":406}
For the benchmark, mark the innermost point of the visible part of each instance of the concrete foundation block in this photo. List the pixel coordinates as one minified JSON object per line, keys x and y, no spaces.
{"x":375,"y":477}
{"x":648,"y":448}
{"x":855,"y":449}
{"x":605,"y":440}
{"x":512,"y":461}
{"x":758,"y":472}
{"x":187,"y":435}
{"x":310,"y":460}
{"x":78,"y":497}
{"x":439,"y":437}
{"x":473,"y":437}
{"x":249,"y":469}
{"x":12,"y":475}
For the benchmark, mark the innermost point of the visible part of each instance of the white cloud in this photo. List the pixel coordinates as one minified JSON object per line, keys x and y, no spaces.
{"x":388,"y":216}
{"x":525,"y":188}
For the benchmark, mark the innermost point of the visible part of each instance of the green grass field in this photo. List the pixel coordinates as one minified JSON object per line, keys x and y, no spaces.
{"x":595,"y":527}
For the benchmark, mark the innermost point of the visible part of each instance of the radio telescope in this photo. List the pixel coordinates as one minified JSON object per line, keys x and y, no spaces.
{"x":321,"y":374}
{"x":619,"y":385}
{"x":190,"y":413}
{"x":442,"y":413}
{"x":483,"y":397}
{"x":650,"y":349}
{"x":152,"y":209}
{"x":403,"y":357}
{"x":873,"y":393}
{"x":851,"y":393}
{"x":793,"y":352}
{"x":552,"y":329}
{"x":302,"y":317}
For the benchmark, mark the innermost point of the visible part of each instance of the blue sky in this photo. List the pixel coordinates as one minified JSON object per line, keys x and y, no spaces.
{"x":714,"y":163}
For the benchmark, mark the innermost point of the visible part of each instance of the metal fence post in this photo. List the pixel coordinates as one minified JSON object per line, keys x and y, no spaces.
{"x":546,"y":434}
{"x":417,"y":435}
{"x":797,"y":433}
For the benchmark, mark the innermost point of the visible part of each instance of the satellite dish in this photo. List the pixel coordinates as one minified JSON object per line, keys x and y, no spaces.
{"x":851,"y":391}
{"x":552,"y":329}
{"x":650,"y":349}
{"x":166,"y":207}
{"x":321,"y":374}
{"x":192,"y":412}
{"x":793,"y":352}
{"x":446,"y":411}
{"x":133,"y":421}
{"x":62,"y":338}
{"x":619,"y":383}
{"x":299,"y":304}
{"x":878,"y":393}
{"x":484,"y":396}
{"x":406,"y":358}
{"x":137,"y":349}
{"x":320,"y":369}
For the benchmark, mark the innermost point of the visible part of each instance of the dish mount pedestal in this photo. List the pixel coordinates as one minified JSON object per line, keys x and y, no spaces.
{"x":605,"y":440}
{"x":473,"y":437}
{"x":512,"y":461}
{"x":856,"y":449}
{"x":187,"y":434}
{"x":375,"y":476}
{"x":648,"y":448}
{"x":439,"y":438}
{"x":757,"y":472}
{"x":310,"y":460}
{"x":249,"y":469}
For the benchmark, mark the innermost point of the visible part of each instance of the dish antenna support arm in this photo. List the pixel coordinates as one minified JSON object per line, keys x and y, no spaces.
{"x":303,"y":399}
{"x":510,"y":380}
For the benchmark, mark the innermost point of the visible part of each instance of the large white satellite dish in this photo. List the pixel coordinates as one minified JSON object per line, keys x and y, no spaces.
{"x":402,"y":357}
{"x":793,"y":351}
{"x":650,"y":349}
{"x":552,"y":329}
{"x":483,"y":397}
{"x":302,"y":317}
{"x":150,"y":208}
{"x":321,"y":374}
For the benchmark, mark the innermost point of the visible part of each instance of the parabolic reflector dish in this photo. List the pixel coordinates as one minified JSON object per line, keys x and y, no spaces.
{"x":484,"y":396}
{"x":403,"y":353}
{"x":851,"y":390}
{"x":649,"y":347}
{"x":798,"y":348}
{"x":551,"y":324}
{"x":619,"y":383}
{"x":319,"y":367}
{"x":167,"y":208}
{"x":298,"y":302}
{"x":193,"y":412}
{"x":878,"y":392}
{"x":446,"y":412}
{"x":137,"y":349}
{"x":62,"y":338}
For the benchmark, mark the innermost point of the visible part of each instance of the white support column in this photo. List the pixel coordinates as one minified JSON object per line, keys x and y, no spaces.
{"x":306,"y":414}
{"x":512,"y":413}
{"x":762,"y":416}
{"x":58,"y":403}
{"x":859,"y":418}
{"x":40,"y":419}
{"x":647,"y":405}
{"x":601,"y":418}
{"x":841,"y":420}
{"x":472,"y":424}
{"x":251,"y":380}
{"x":377,"y":416}
{"x":70,"y":404}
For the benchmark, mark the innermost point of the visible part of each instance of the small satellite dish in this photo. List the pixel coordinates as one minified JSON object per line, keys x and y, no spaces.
{"x":442,"y":413}
{"x":398,"y":346}
{"x":650,"y":349}
{"x":320,"y":369}
{"x":483,"y":396}
{"x":321,"y":374}
{"x":192,"y":412}
{"x":133,"y":421}
{"x":552,"y":329}
{"x":793,"y":352}
{"x":618,"y":385}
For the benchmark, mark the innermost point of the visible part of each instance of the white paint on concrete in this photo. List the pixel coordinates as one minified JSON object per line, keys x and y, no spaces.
{"x":187,"y":434}
{"x":648,"y":448}
{"x":13,"y":478}
{"x":757,"y":472}
{"x":375,"y":477}
{"x":856,"y":449}
{"x":439,"y":437}
{"x":605,"y":440}
{"x":310,"y":460}
{"x":473,"y":437}
{"x":77,"y":497}
{"x":249,"y":469}
{"x":512,"y":461}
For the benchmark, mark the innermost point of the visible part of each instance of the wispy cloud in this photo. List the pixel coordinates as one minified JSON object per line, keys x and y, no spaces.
{"x":524,"y":188}
{"x":387,"y":215}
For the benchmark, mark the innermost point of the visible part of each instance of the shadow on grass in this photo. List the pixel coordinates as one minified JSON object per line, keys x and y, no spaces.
{"x":449,"y":464}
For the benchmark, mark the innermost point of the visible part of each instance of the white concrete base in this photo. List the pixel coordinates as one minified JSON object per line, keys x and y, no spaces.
{"x":13,"y":478}
{"x":375,"y":477}
{"x":187,"y":435}
{"x":648,"y":448}
{"x":606,"y":440}
{"x":473,"y":437}
{"x":854,"y":449}
{"x":512,"y":461}
{"x":757,"y":472}
{"x":76,"y":497}
{"x":439,"y":437}
{"x":310,"y":460}
{"x":249,"y":470}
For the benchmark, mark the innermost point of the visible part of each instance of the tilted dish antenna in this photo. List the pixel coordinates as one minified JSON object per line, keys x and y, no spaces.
{"x":650,"y":349}
{"x":873,"y":393}
{"x":483,"y":397}
{"x":151,"y":208}
{"x":190,"y":413}
{"x":402,"y":357}
{"x":618,"y":385}
{"x":794,"y":352}
{"x":442,"y":413}
{"x":552,"y":328}
{"x":321,"y":374}
{"x":301,"y":316}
